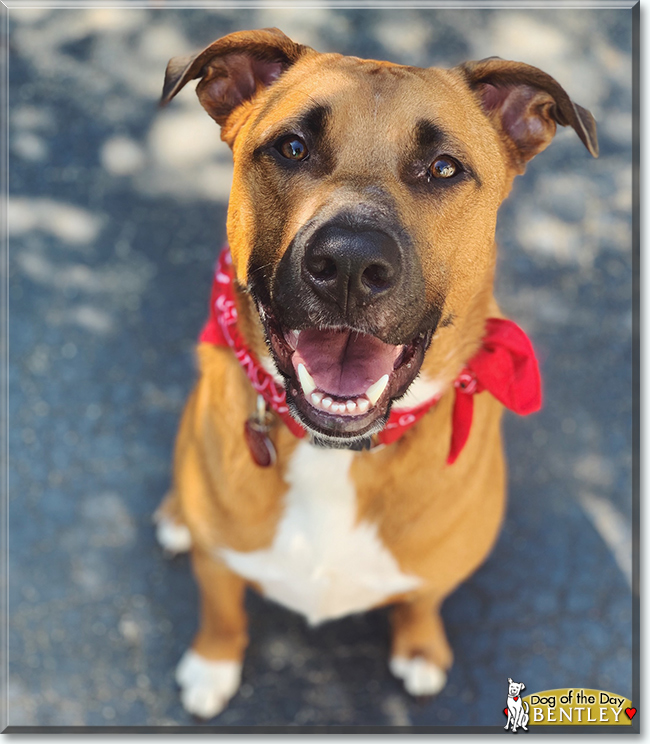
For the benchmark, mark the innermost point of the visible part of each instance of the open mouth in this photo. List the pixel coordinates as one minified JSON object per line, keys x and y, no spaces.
{"x":340,"y":381}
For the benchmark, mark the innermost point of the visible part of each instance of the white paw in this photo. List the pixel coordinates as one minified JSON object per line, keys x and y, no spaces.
{"x":420,"y":676}
{"x":172,"y":536}
{"x":206,"y":686}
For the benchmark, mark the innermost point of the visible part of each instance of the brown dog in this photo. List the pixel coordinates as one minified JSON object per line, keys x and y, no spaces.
{"x":361,"y":226}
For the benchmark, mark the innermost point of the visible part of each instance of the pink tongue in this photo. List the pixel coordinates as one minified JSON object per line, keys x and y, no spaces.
{"x":344,"y":363}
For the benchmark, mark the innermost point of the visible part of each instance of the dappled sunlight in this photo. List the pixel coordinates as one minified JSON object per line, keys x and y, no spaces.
{"x":29,"y":146}
{"x":544,"y":42}
{"x":307,"y":27}
{"x":615,"y":530}
{"x":536,"y":307}
{"x":569,"y":220}
{"x":543,"y":233}
{"x":68,"y":223}
{"x":115,"y":59}
{"x":117,"y":211}
{"x":30,"y":117}
{"x":186,"y":157}
{"x":118,"y":279}
{"x":122,"y":156}
{"x":519,"y":35}
{"x":403,"y":37}
{"x":87,"y":317}
{"x":120,"y":283}
{"x":183,"y":139}
{"x":180,"y":154}
{"x":29,"y":16}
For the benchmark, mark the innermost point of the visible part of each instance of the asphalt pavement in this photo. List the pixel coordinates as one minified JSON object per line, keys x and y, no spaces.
{"x":117,"y":211}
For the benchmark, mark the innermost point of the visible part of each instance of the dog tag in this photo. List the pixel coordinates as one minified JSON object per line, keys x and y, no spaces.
{"x":256,"y":432}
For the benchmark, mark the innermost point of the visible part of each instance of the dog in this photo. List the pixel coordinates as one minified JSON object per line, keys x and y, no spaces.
{"x":517,"y":708}
{"x":341,"y":450}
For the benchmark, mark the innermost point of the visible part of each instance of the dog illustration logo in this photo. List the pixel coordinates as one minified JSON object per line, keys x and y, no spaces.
{"x":517,"y":710}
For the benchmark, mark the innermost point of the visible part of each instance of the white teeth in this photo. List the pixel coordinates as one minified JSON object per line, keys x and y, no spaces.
{"x":363,"y":404}
{"x":373,"y":393}
{"x":306,"y":380}
{"x":324,"y":402}
{"x":353,"y":407}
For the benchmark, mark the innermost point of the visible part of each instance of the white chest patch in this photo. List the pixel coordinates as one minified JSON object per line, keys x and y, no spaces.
{"x":323,"y":563}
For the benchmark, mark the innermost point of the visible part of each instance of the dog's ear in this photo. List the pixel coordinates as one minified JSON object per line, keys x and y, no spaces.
{"x":526,"y":104}
{"x":522,"y":686}
{"x":233,"y":69}
{"x":509,"y":680}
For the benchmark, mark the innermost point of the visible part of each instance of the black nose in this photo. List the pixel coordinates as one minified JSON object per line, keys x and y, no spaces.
{"x":351,"y":267}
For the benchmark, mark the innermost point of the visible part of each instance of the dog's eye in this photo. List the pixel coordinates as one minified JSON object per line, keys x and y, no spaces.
{"x":444,"y":168}
{"x":293,"y":148}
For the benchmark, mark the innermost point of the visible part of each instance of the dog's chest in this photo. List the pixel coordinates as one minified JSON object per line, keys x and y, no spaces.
{"x":323,"y":563}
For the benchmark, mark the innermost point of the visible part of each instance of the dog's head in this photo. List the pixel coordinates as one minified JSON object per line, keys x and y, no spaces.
{"x":514,"y":688}
{"x":364,"y":204}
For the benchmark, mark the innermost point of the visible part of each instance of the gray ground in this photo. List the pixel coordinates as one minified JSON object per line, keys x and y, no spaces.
{"x":116,"y":215}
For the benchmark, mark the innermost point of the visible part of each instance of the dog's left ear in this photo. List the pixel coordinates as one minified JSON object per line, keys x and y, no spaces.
{"x":233,"y":69}
{"x":526,"y":105}
{"x":523,"y":686}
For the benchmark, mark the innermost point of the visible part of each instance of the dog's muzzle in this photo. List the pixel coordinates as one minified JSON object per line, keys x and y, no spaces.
{"x":347,"y":323}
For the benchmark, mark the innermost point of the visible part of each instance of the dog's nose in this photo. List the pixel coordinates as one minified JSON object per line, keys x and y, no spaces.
{"x":351,"y":267}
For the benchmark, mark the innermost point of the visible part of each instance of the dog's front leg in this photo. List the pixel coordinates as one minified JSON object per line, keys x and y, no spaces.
{"x":209,"y":672}
{"x":420,"y":651}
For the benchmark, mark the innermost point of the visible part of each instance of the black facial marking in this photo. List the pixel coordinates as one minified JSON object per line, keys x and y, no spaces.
{"x":429,"y":141}
{"x":448,"y":320}
{"x":314,"y":121}
{"x":427,"y":135}
{"x":279,"y":181}
{"x":311,"y":127}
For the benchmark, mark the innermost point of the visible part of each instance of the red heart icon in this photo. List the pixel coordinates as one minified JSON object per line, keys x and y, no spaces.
{"x":630,"y":712}
{"x":505,"y":710}
{"x":516,"y":698}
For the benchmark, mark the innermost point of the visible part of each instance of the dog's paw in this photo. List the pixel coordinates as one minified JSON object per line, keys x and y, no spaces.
{"x":206,"y":686}
{"x":420,"y":676}
{"x":173,"y":537}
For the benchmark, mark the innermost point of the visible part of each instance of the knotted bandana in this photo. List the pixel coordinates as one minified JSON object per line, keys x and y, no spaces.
{"x":505,"y":366}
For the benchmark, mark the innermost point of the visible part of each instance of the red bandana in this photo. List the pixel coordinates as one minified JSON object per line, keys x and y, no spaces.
{"x":505,"y":366}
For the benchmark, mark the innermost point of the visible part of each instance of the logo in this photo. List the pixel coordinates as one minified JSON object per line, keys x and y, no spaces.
{"x":566,"y":707}
{"x":517,"y":709}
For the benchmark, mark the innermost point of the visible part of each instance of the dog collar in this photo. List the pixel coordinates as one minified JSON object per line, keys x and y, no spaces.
{"x":505,"y":366}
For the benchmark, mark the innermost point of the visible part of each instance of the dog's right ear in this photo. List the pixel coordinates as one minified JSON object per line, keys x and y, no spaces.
{"x":233,"y":69}
{"x":509,"y":680}
{"x":526,"y":105}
